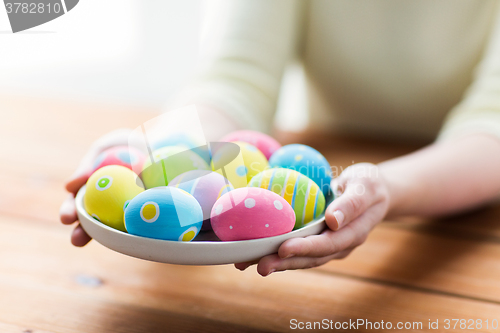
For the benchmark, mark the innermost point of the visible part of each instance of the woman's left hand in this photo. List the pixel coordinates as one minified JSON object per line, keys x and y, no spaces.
{"x":362,"y":204}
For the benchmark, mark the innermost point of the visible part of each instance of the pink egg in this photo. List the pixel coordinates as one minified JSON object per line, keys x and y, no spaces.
{"x":131,"y":158}
{"x":206,"y":187}
{"x":251,"y":213}
{"x":266,"y":144}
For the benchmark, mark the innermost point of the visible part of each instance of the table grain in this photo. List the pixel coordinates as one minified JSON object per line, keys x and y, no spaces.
{"x":410,"y":270}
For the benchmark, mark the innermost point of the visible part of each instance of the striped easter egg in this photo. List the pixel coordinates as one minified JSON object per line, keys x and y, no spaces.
{"x":206,"y":187}
{"x":304,"y":195}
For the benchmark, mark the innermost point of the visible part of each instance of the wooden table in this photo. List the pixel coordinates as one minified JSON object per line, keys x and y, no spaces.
{"x":407,"y":271}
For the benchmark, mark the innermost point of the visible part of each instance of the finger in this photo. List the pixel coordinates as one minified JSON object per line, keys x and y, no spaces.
{"x":84,"y":170}
{"x":77,"y":181}
{"x":356,"y":171}
{"x":67,"y":212}
{"x":273,"y":263}
{"x":355,"y":200}
{"x":338,"y":185}
{"x":82,"y":174}
{"x":79,"y":237}
{"x":115,"y":138}
{"x":244,"y":265}
{"x":327,"y":243}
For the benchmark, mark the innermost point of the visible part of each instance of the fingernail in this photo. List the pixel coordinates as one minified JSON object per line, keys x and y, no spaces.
{"x":243,"y":268}
{"x":337,"y":191}
{"x":288,"y":256}
{"x":339,"y":216}
{"x":271,"y":271}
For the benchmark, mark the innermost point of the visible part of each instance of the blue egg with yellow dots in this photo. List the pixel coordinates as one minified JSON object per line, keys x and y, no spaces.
{"x":167,"y":213}
{"x":306,"y":160}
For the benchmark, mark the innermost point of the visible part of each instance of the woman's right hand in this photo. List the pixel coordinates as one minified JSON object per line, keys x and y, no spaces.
{"x":68,"y":209}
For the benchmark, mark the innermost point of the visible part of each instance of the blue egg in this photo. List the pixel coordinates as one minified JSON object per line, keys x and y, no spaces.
{"x":306,"y":160}
{"x":175,"y":139}
{"x":126,"y":157}
{"x":166,"y":213}
{"x":184,"y":141}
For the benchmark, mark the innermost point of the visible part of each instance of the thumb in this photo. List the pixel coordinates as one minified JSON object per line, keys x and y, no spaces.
{"x":83,"y":172}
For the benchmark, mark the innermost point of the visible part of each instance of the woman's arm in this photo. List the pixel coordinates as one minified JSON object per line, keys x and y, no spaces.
{"x":245,"y":47}
{"x":443,"y":178}
{"x":458,"y":172}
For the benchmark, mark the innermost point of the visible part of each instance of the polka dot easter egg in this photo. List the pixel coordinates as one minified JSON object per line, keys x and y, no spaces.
{"x":169,"y":162}
{"x":108,"y":192}
{"x":251,"y":213}
{"x":266,"y":144}
{"x":206,"y":187}
{"x":128,"y":157}
{"x":240,"y":171}
{"x":304,"y":195}
{"x":166,"y":213}
{"x":305,"y":160}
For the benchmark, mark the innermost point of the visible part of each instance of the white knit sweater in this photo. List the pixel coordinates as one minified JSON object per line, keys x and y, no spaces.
{"x":375,"y":67}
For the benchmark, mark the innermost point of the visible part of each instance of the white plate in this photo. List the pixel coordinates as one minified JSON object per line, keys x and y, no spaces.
{"x":206,"y":249}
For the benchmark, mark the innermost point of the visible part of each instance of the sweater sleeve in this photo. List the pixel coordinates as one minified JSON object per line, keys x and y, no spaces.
{"x":245,"y":46}
{"x":479,"y":111}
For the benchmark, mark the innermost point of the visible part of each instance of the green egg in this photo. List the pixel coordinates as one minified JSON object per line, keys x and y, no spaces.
{"x":168,"y":163}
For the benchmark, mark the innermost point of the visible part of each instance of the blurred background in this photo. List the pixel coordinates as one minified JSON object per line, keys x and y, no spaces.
{"x":140,"y":57}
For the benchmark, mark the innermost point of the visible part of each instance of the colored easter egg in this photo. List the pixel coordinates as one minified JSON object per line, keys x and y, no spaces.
{"x":126,"y":156}
{"x":251,"y":213}
{"x":166,"y":213}
{"x":206,"y":187}
{"x":305,"y":160}
{"x":183,"y":140}
{"x":108,"y":192}
{"x":169,"y":162}
{"x":249,"y":162}
{"x":265,"y":143}
{"x":304,"y":195}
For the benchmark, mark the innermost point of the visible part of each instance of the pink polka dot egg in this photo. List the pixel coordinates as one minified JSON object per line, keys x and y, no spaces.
{"x":251,"y":213}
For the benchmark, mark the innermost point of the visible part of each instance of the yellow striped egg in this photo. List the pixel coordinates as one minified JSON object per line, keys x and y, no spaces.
{"x":304,"y":195}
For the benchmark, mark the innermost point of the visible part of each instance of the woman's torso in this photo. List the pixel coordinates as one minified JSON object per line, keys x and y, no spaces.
{"x":391,"y":67}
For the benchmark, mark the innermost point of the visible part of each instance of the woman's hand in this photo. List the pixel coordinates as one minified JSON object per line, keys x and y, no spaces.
{"x":68,"y":209}
{"x":363,"y":201}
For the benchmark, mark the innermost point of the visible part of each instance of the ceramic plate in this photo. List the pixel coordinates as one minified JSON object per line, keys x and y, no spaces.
{"x":205,"y":249}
